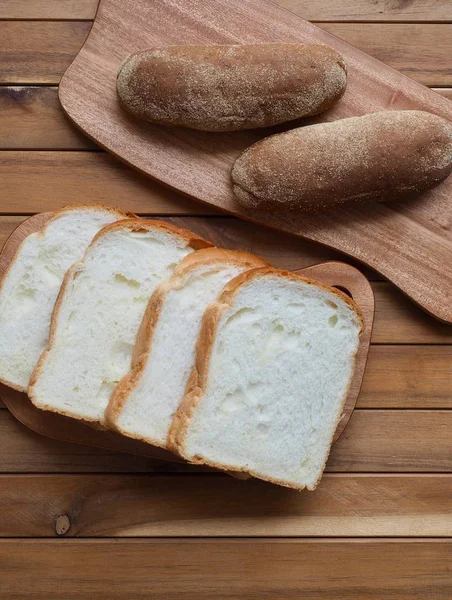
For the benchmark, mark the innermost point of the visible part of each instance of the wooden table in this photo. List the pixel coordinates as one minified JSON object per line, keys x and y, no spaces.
{"x":83,"y":523}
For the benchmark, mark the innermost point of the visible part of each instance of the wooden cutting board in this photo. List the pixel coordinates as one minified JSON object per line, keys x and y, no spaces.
{"x":63,"y":428}
{"x":408,"y":243}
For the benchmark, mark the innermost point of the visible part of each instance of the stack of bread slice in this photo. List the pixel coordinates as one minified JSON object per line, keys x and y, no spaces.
{"x":147,"y":329}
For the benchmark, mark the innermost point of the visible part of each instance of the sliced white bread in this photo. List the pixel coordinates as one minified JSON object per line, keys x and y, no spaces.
{"x":275,"y":359}
{"x":98,"y":313}
{"x":145,"y":401}
{"x":30,"y":286}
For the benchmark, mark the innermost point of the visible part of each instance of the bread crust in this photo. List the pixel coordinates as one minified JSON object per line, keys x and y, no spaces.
{"x":199,"y":375}
{"x":40,"y":233}
{"x":137,"y":225}
{"x":230,"y":87}
{"x":376,"y":157}
{"x":143,"y":346}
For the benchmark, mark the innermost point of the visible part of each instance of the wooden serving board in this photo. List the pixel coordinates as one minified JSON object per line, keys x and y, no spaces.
{"x":63,"y":428}
{"x":408,"y":243}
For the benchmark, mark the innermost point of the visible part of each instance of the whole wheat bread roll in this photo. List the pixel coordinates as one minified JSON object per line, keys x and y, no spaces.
{"x":227,"y":88}
{"x":380,"y":156}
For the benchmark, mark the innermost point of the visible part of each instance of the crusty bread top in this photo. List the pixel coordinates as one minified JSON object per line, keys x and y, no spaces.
{"x":231,"y":87}
{"x":65,"y":209}
{"x":93,"y":206}
{"x":231,"y":289}
{"x":217,"y":255}
{"x":139,"y":225}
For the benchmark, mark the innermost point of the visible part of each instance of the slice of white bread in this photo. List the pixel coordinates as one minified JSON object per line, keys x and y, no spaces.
{"x":275,"y":359}
{"x":31,"y":284}
{"x":145,"y":401}
{"x":98,"y":313}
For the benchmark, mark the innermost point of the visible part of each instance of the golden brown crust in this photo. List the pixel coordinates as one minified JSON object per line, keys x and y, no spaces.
{"x":138,"y":225}
{"x":233,"y":286}
{"x":234,"y":87}
{"x":40,"y":233}
{"x":198,"y":378}
{"x":68,"y":278}
{"x":133,"y":225}
{"x":381,"y":157}
{"x":190,"y":264}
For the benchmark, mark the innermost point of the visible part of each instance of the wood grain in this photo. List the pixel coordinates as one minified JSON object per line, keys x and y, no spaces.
{"x":33,"y":119}
{"x":29,"y":183}
{"x":199,"y":163}
{"x":407,"y":377}
{"x":370,"y":10}
{"x":48,"y":9}
{"x":218,"y":505}
{"x":418,"y":51}
{"x":226,"y":569}
{"x":374,"y":441}
{"x":321,"y":10}
{"x":398,"y":321}
{"x":394,"y":440}
{"x":38,"y":52}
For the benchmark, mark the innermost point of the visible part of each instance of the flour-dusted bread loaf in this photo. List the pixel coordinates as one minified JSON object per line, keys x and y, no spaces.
{"x":227,"y":88}
{"x":30,"y":286}
{"x":145,"y":401}
{"x":274,"y":363}
{"x":98,"y":313}
{"x":378,"y":157}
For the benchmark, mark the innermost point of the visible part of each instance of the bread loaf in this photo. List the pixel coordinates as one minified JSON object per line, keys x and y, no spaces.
{"x":227,"y":88}
{"x":380,"y":156}
{"x":275,"y":358}
{"x":30,"y":287}
{"x":98,"y":312}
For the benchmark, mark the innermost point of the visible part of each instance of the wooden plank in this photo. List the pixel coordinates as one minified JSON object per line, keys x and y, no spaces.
{"x":321,"y":10}
{"x":48,"y":9}
{"x":407,"y":377}
{"x":49,"y":180}
{"x":399,"y":321}
{"x":40,"y":51}
{"x":226,"y":569}
{"x":373,"y":441}
{"x":218,"y":505}
{"x":34,"y":453}
{"x":370,"y":10}
{"x":394,"y":441}
{"x":33,"y":119}
{"x":419,"y":51}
